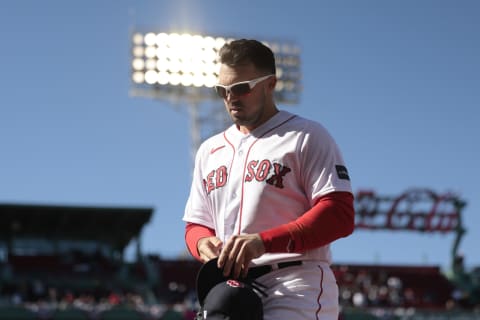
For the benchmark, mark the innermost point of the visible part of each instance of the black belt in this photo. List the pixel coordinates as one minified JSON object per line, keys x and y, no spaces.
{"x":259,"y":271}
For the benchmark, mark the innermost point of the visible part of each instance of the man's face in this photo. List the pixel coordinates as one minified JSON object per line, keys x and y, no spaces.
{"x":250,"y":110}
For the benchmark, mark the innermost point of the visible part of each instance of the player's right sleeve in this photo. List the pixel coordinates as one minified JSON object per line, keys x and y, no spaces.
{"x":193,"y":233}
{"x":197,"y":206}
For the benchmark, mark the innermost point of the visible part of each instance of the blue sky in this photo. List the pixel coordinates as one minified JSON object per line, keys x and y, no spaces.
{"x":396,"y":83}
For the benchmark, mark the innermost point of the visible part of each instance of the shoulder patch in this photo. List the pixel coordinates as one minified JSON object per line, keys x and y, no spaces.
{"x":342,"y":172}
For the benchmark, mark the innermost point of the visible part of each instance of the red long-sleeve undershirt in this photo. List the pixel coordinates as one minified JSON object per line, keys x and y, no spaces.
{"x":331,"y":218}
{"x":193,"y":233}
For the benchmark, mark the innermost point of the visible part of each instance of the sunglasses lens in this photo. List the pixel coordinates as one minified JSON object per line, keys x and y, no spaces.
{"x":240,"y":89}
{"x":222,"y":93}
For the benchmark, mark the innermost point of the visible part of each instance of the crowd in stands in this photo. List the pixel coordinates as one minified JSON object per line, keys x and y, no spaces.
{"x":95,"y":286}
{"x":172,"y":296}
{"x":94,"y":306}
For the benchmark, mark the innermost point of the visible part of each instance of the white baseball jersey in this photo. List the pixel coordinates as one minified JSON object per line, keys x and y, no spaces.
{"x":248,"y":183}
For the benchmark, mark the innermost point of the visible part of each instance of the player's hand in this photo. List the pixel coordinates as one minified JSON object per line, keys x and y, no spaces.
{"x":238,"y":252}
{"x":209,"y":248}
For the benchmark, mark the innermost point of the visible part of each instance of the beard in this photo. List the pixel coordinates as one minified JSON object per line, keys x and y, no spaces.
{"x":250,"y":117}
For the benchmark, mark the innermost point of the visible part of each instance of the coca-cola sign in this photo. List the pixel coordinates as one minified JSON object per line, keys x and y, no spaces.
{"x":417,"y":209}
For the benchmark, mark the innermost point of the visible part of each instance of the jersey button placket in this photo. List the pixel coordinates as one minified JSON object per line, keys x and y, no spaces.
{"x":232,"y":215}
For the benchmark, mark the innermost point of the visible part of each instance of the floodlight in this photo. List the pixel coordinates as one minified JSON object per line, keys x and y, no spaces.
{"x":171,"y":62}
{"x":183,"y":67}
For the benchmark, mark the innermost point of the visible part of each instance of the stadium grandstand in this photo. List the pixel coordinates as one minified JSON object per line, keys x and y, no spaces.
{"x":67,"y":262}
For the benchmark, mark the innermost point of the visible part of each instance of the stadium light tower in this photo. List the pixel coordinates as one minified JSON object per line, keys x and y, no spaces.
{"x":183,"y":68}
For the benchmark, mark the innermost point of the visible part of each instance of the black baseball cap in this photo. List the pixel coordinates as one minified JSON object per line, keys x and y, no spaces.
{"x":222,"y":298}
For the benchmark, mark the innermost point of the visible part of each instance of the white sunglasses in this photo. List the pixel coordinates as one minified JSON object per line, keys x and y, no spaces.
{"x":240,"y":88}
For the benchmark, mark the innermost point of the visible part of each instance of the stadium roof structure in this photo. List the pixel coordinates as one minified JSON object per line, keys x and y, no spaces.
{"x":114,"y":226}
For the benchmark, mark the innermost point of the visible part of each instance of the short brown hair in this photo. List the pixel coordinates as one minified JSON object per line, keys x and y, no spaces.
{"x":244,"y":51}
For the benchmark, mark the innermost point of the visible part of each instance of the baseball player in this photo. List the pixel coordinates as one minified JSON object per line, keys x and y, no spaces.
{"x":270,"y":193}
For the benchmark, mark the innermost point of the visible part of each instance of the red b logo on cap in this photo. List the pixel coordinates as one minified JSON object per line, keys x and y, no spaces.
{"x":234,"y":284}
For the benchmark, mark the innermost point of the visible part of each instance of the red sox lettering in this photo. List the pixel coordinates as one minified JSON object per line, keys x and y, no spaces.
{"x":264,"y":170}
{"x":215,"y":179}
{"x":260,"y":171}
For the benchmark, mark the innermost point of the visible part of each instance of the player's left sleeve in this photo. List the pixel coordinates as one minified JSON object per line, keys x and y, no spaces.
{"x":330,"y":219}
{"x":323,"y":167}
